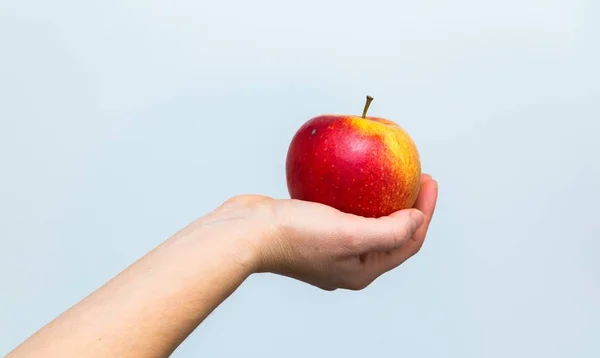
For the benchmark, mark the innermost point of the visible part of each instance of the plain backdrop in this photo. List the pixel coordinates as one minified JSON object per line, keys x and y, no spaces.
{"x":122,"y":121}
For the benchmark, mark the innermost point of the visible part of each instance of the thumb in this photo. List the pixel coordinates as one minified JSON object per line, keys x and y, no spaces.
{"x":389,"y":232}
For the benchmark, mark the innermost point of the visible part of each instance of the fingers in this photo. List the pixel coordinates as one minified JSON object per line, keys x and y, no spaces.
{"x":385,"y":233}
{"x":392,"y":232}
{"x":426,"y":203}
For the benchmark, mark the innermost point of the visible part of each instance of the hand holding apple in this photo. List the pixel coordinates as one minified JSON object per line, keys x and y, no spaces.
{"x":320,"y":245}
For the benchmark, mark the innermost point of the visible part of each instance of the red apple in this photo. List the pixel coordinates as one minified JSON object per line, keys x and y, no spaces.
{"x":361,"y":165}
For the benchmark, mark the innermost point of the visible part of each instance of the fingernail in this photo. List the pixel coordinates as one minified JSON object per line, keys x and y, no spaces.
{"x":417,"y":219}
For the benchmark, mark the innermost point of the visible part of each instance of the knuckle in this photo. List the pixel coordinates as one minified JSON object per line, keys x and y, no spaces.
{"x":401,"y":233}
{"x":357,"y":283}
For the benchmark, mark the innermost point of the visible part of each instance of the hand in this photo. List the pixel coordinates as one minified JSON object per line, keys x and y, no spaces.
{"x":329,"y":249}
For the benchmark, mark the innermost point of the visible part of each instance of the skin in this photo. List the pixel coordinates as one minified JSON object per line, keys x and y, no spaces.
{"x":153,"y":305}
{"x":333,"y":155}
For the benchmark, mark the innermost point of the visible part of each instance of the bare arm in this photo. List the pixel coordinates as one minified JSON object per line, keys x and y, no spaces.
{"x":152,"y":306}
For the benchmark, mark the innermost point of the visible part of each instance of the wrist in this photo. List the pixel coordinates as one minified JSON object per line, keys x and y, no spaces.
{"x":245,"y":228}
{"x":241,"y":240}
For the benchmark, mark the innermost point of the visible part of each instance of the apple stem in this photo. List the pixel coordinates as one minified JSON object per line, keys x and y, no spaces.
{"x":369,"y":100}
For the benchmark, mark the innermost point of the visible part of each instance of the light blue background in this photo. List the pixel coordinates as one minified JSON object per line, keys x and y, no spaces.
{"x":122,"y":121}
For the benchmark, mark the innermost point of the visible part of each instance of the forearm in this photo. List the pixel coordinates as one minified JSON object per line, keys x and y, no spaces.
{"x":152,"y":306}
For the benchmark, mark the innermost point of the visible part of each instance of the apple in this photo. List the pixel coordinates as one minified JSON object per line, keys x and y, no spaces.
{"x":361,"y":165}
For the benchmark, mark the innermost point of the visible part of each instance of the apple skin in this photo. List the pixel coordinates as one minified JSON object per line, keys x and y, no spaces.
{"x":364,"y":166}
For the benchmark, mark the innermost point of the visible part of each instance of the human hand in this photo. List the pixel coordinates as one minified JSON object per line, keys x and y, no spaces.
{"x":329,"y":249}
